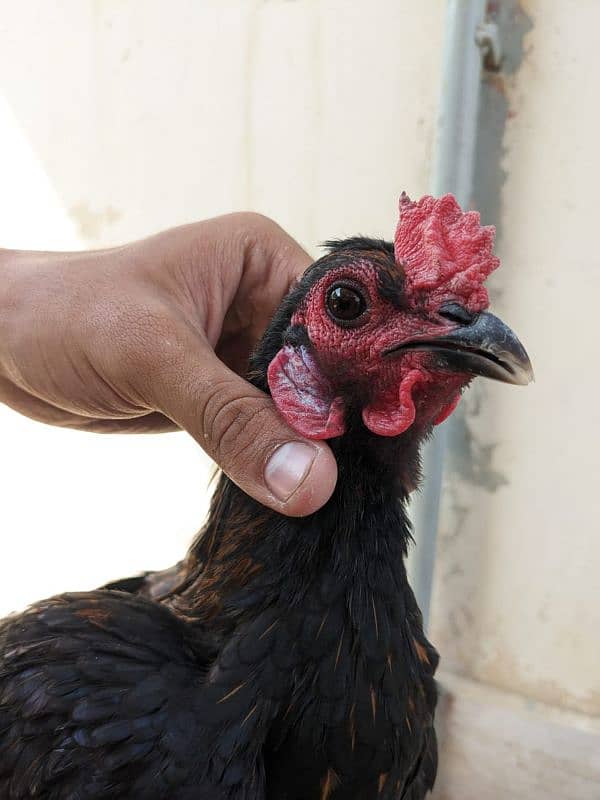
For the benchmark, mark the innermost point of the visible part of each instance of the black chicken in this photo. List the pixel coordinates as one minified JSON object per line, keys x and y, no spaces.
{"x":284,"y":658}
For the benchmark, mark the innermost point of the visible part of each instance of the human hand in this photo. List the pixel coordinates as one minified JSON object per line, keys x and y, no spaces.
{"x":153,"y":336}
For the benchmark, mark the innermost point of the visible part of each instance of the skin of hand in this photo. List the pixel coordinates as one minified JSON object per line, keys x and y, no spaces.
{"x":154,"y":336}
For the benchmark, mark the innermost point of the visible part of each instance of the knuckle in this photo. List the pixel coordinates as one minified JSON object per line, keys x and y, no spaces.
{"x":259,"y":234}
{"x":271,"y":252}
{"x":232,"y":426}
{"x":258,"y":223}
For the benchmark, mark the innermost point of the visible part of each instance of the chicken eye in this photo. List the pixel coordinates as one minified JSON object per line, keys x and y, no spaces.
{"x":345,"y":303}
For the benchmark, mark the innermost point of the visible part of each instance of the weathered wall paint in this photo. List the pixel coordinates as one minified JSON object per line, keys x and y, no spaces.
{"x":517,"y":591}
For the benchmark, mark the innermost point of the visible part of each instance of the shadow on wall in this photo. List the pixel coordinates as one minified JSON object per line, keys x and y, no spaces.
{"x":143,"y":120}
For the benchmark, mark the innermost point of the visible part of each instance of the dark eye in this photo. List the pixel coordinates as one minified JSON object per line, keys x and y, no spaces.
{"x":345,"y":303}
{"x":456,"y":313}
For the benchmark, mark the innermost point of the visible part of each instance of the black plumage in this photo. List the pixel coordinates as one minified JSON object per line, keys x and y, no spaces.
{"x":283,"y":658}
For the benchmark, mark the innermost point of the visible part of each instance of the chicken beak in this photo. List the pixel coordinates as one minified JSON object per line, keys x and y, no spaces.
{"x":485,"y":347}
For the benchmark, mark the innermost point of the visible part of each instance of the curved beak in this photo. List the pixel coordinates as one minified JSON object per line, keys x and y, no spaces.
{"x":485,"y":347}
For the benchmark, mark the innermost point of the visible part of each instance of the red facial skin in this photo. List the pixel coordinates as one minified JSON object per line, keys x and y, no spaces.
{"x":398,"y":388}
{"x":442,"y":255}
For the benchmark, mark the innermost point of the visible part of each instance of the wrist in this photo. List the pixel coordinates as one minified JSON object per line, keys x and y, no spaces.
{"x":13,"y":272}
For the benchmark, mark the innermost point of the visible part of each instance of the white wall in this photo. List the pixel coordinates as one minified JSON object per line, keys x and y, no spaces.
{"x":122,"y":117}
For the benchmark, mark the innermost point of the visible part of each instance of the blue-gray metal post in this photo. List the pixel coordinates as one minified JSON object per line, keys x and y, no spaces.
{"x":454,"y":158}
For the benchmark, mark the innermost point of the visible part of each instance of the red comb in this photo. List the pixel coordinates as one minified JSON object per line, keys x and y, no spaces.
{"x":445,"y":252}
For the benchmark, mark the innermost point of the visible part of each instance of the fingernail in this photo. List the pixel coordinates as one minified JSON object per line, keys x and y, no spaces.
{"x":287,"y":468}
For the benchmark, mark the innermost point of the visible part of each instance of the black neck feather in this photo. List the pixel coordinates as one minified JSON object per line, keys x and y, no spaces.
{"x":247,"y":549}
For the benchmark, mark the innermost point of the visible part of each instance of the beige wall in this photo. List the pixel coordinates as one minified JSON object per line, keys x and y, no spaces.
{"x":145,"y":114}
{"x":517,"y":596}
{"x":120,"y":117}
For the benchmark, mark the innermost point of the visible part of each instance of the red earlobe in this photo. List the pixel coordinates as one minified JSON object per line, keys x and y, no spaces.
{"x":303,"y":394}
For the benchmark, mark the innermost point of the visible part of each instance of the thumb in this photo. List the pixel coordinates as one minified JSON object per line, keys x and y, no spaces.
{"x":239,"y":427}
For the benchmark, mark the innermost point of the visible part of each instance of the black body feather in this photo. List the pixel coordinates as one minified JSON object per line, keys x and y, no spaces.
{"x":283,"y":659}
